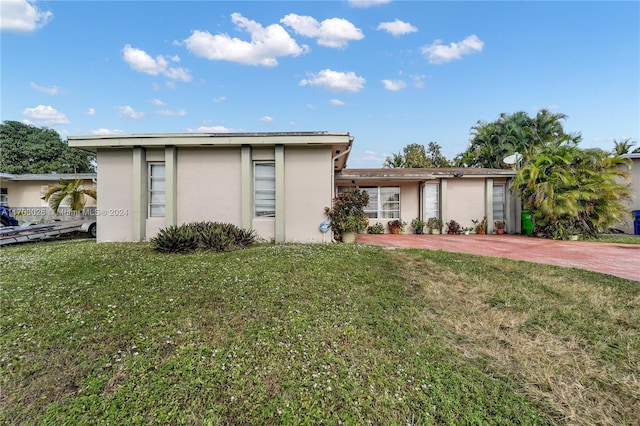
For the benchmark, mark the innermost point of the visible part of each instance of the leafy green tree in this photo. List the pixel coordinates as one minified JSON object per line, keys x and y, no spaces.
{"x":347,"y":213}
{"x":573,"y":191}
{"x":71,"y":192}
{"x":417,"y":156}
{"x":511,"y":133}
{"x":28,"y":149}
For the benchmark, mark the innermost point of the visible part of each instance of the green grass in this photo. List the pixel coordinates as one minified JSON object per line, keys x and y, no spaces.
{"x":618,"y":238}
{"x":308,"y":334}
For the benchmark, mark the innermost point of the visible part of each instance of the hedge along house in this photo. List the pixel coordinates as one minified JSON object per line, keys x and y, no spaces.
{"x":460,"y":194}
{"x":275,"y":183}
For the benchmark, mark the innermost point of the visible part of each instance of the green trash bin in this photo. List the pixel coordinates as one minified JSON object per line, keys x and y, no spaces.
{"x":526,"y":223}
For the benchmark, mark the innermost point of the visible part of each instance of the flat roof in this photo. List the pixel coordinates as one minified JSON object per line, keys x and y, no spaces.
{"x":338,"y":141}
{"x":420,"y":174}
{"x":46,"y":176}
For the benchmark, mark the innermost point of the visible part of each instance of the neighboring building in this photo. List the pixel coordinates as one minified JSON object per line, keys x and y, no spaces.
{"x":24,"y":192}
{"x":634,"y":173}
{"x":460,"y":194}
{"x":276,"y":183}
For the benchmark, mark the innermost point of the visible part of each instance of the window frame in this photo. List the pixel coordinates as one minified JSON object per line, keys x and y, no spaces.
{"x":266,"y":206}
{"x":379,"y":212}
{"x":151,"y":213}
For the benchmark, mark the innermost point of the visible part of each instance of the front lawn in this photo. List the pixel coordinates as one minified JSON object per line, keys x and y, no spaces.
{"x":307,"y":334}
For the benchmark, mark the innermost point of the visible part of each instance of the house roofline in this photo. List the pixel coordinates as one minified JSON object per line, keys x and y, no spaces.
{"x":46,"y":176}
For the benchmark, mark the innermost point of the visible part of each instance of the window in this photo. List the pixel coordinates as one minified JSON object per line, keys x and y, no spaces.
{"x":4,"y":197}
{"x":156,"y":190}
{"x":384,"y":202}
{"x":264,"y":189}
{"x":498,"y":202}
{"x":431,"y":200}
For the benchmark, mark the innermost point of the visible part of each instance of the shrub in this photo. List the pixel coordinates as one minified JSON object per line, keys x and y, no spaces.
{"x":220,"y":237}
{"x":378,"y":228}
{"x":175,"y":239}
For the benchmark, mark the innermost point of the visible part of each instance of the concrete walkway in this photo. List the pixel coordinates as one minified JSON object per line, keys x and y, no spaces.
{"x":621,"y":260}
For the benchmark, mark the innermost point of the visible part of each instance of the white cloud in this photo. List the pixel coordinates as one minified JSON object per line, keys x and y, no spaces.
{"x":213,"y":129}
{"x":107,"y":132}
{"x":91,"y":111}
{"x":335,"y":81}
{"x":437,"y":53}
{"x":53,"y":90}
{"x":397,"y":28}
{"x":333,"y":32}
{"x":266,"y":44}
{"x":157,"y":102}
{"x":219,"y":99}
{"x":394,"y":85}
{"x":127,"y":111}
{"x":336,"y":102}
{"x":22,"y":16}
{"x":266,"y":119}
{"x":178,"y":113}
{"x":141,"y":61}
{"x":367,"y":3}
{"x":418,"y":81}
{"x":46,"y":115}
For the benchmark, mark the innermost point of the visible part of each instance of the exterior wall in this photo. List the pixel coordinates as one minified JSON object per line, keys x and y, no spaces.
{"x":465,"y":201}
{"x":209,"y":185}
{"x":409,"y":203}
{"x":307,"y":192}
{"x":115,"y":196}
{"x":27,"y":193}
{"x":634,"y":174}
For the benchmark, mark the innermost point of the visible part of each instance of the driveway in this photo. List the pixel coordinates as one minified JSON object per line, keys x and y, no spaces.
{"x":621,"y":260}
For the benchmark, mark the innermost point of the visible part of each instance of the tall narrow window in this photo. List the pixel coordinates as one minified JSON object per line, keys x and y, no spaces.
{"x":4,"y":197}
{"x":264,"y":189}
{"x":431,"y":200}
{"x":498,"y":202}
{"x":156,"y":190}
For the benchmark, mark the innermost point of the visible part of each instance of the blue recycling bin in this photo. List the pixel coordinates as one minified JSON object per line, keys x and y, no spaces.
{"x":636,"y":222}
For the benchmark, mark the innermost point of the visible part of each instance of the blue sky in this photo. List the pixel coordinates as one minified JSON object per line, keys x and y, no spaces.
{"x":389,"y":72}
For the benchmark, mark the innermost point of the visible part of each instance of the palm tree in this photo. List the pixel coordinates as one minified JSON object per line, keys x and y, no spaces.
{"x":623,"y":147}
{"x":396,"y":161}
{"x":568,"y":189}
{"x":71,"y":192}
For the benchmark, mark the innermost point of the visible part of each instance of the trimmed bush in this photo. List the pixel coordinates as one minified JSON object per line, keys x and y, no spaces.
{"x":219,"y":237}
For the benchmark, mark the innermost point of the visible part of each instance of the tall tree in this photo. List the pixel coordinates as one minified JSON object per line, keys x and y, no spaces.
{"x":570,"y":190}
{"x":417,"y":156}
{"x":623,"y":147}
{"x":28,"y":149}
{"x":511,"y":133}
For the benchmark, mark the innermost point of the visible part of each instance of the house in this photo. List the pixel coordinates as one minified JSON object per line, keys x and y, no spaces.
{"x":460,"y":194}
{"x":275,"y":183}
{"x":634,"y":172}
{"x":24,"y":192}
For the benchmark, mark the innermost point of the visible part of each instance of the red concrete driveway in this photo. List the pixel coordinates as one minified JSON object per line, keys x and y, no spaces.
{"x":621,"y":260}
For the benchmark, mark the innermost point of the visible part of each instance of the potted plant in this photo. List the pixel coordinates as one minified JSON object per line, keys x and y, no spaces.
{"x":435,"y":225}
{"x":500,"y":226}
{"x":378,"y":228}
{"x":453,"y":227}
{"x":396,"y":226}
{"x":347,"y":215}
{"x":418,"y":225}
{"x":467,"y":230}
{"x":480,"y":225}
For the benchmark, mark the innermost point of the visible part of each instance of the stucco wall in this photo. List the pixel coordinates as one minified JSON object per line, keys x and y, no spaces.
{"x":209,"y":185}
{"x":115,"y":195}
{"x":28,"y":193}
{"x":307,"y":192}
{"x":465,"y":201}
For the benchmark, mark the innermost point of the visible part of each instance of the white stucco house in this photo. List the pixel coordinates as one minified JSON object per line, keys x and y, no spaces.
{"x":275,"y":183}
